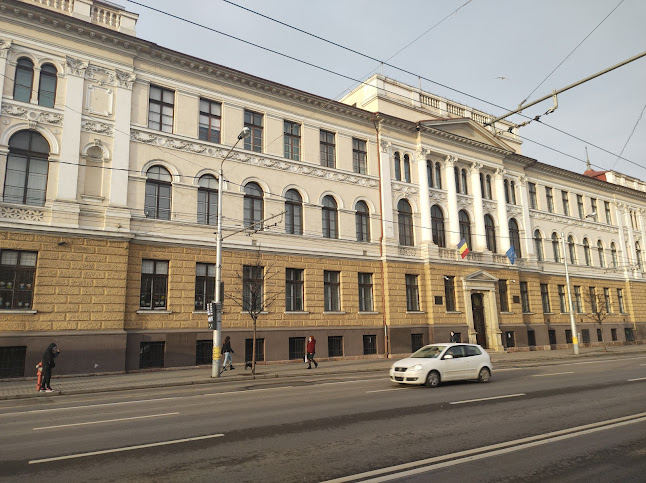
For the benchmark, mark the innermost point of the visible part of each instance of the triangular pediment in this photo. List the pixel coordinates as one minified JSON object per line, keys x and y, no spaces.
{"x":480,"y":276}
{"x":468,"y":129}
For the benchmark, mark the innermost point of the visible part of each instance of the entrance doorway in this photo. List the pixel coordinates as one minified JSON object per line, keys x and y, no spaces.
{"x":477,"y":308}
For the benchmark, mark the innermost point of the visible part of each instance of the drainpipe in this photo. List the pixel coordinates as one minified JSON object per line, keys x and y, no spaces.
{"x":375,"y":122}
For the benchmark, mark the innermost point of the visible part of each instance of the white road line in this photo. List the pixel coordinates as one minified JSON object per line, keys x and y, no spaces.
{"x":105,"y":421}
{"x":552,"y":374}
{"x":386,"y":390}
{"x":638,"y":379}
{"x":125,"y":448}
{"x":486,"y":451}
{"x":487,"y":398}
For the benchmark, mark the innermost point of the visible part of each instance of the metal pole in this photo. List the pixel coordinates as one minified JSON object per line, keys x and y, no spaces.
{"x":575,"y":338}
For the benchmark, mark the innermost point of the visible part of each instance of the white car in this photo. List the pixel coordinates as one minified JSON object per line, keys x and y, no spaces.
{"x":436,"y":363}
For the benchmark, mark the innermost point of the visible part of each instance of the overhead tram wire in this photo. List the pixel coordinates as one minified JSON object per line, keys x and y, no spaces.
{"x":356,"y":80}
{"x":629,"y":136}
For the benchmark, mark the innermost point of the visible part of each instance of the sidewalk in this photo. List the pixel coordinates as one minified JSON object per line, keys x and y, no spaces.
{"x":21,"y":389}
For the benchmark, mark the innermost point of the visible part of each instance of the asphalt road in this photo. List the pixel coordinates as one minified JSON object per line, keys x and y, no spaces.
{"x":568,"y":422}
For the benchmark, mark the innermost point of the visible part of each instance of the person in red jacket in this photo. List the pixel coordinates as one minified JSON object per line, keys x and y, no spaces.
{"x":311,"y":349}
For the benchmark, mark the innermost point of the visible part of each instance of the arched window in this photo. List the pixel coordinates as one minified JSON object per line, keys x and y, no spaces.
{"x":465,"y":228}
{"x":47,"y":85}
{"x":586,"y":252}
{"x":362,"y":219}
{"x":27,"y":166}
{"x":488,"y":186}
{"x":207,"y":200}
{"x":506,"y":186}
{"x":398,"y":167}
{"x":572,"y":249}
{"x":406,"y":168}
{"x":437,"y":226}
{"x":640,"y":261}
{"x":490,"y":233}
{"x":293,"y":212}
{"x":158,"y":193}
{"x":538,"y":243}
{"x":253,"y":206}
{"x":555,"y":248}
{"x":330,"y":218}
{"x":465,"y":189}
{"x":405,"y":222}
{"x":514,"y":237}
{"x":438,"y":176}
{"x":429,"y":173}
{"x":24,"y":80}
{"x":512,"y":192}
{"x":602,"y":256}
{"x":482,"y":186}
{"x":613,"y":252}
{"x":456,"y":175}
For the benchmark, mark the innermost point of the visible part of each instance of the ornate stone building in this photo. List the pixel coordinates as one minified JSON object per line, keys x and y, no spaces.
{"x":109,"y":154}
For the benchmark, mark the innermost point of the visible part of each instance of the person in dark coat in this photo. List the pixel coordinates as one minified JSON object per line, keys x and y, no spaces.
{"x":227,"y":351}
{"x":48,"y":364}
{"x":454,"y":337}
{"x":311,"y":349}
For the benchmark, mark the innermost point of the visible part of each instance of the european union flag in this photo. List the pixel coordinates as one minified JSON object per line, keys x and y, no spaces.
{"x":511,"y":254}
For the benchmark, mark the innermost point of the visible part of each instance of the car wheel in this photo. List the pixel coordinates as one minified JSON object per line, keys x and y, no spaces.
{"x":484,"y":375}
{"x":433,"y":379}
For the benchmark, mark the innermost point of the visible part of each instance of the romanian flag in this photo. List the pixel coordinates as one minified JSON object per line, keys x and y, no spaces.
{"x":464,"y":249}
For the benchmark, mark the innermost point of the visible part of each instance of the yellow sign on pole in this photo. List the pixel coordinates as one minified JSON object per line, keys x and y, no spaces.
{"x":216,"y":353}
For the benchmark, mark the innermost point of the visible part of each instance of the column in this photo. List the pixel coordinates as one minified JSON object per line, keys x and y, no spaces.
{"x":452,"y":202}
{"x":479,"y":241}
{"x":524,"y":201}
{"x":388,"y":224}
{"x":624,"y":258}
{"x":424,"y":203}
{"x":4,"y":51}
{"x":503,"y":227}
{"x":631,"y":240}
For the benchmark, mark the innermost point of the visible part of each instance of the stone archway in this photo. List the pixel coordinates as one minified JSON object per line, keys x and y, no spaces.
{"x":480,"y":288}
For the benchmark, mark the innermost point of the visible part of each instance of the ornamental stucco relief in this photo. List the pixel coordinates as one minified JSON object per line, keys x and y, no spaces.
{"x":32,"y":114}
{"x":97,"y":127}
{"x":26,"y":214}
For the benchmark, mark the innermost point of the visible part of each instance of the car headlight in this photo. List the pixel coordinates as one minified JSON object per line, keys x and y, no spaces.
{"x":415,"y":368}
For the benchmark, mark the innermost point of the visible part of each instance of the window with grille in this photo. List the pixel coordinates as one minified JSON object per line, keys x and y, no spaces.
{"x":585,"y":336}
{"x":335,"y":346}
{"x":416,"y":341}
{"x":204,"y":285}
{"x":161,"y":107}
{"x":203,"y":352}
{"x":531,"y":338}
{"x":12,"y":361}
{"x":154,"y":282}
{"x":297,"y":348}
{"x":260,"y":350}
{"x":369,"y":344}
{"x":17,"y":275}
{"x":599,"y":335}
{"x":210,"y":119}
{"x":151,"y":354}
{"x":613,"y":334}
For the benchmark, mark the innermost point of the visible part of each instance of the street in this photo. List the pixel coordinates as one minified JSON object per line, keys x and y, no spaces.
{"x":571,"y":421}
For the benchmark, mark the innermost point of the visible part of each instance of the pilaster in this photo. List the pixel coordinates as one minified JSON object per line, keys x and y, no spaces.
{"x":524,"y":201}
{"x":452,"y":202}
{"x":424,"y":202}
{"x":121,"y":150}
{"x":479,"y":240}
{"x":4,"y":51}
{"x":388,"y":224}
{"x":503,"y":226}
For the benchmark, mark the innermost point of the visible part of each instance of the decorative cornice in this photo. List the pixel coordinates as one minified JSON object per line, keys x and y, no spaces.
{"x":554,"y":218}
{"x":32,"y":114}
{"x":404,"y":188}
{"x":252,"y":158}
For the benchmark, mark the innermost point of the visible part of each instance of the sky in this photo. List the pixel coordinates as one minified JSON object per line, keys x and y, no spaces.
{"x":459,"y":50}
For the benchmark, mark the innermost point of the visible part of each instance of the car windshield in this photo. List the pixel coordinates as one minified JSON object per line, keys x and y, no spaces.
{"x":429,"y":352}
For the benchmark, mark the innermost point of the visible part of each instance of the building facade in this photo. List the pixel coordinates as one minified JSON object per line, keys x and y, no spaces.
{"x":350,"y":212}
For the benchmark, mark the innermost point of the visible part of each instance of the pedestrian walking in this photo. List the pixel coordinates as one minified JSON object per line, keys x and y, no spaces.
{"x":454,"y":337}
{"x":50,"y":354}
{"x":227,"y":350}
{"x":311,"y":350}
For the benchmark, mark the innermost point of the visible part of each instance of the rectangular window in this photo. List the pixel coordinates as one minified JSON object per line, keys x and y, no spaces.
{"x":203,"y":352}
{"x":620,"y":301}
{"x":606,"y":296}
{"x":578,"y":300}
{"x":154,"y":282}
{"x":151,"y":354}
{"x":599,"y":335}
{"x":562,"y":302}
{"x":365,"y":292}
{"x":294,"y":290}
{"x":585,"y":336}
{"x":613,"y":334}
{"x":253,"y":121}
{"x":550,"y":199}
{"x":332,"y":288}
{"x":161,"y":107}
{"x":524,"y":297}
{"x":545,"y":298}
{"x":359,"y":156}
{"x":292,"y":140}
{"x":12,"y":361}
{"x":260,"y":350}
{"x":17,"y":275}
{"x":416,"y":342}
{"x":594,"y":214}
{"x":449,"y":292}
{"x":606,"y":205}
{"x":551,"y":334}
{"x":593,"y":300}
{"x":253,"y":288}
{"x":568,"y":336}
{"x":629,"y":334}
{"x":412,"y":294}
{"x":566,"y":203}
{"x":504,"y":296}
{"x":579,"y":204}
{"x":210,"y":118}
{"x":369,"y":344}
{"x":532,"y":196}
{"x":296,"y":348}
{"x":335,"y":346}
{"x":531,"y":338}
{"x":204,"y":285}
{"x":328,"y":149}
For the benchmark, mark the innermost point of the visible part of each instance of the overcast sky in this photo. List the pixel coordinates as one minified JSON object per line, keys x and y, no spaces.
{"x":521,"y":40}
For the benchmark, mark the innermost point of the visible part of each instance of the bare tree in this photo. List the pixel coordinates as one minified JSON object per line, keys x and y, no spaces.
{"x":257,"y":295}
{"x":598,"y":312}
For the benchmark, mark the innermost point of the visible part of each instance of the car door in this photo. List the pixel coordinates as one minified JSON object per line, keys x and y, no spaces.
{"x":455,"y":367}
{"x":473,"y":361}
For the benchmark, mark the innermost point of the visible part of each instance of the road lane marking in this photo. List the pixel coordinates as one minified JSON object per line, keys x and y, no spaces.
{"x":552,"y":374}
{"x":637,"y":379}
{"x":125,"y":448}
{"x":386,"y":390}
{"x":487,"y":398}
{"x":105,"y":421}
{"x":487,"y":451}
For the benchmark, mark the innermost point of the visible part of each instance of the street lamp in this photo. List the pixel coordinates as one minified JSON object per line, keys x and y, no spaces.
{"x":217,"y":315}
{"x":575,"y":335}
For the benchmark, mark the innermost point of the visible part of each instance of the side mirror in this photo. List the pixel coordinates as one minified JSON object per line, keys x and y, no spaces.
{"x":448,"y":356}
